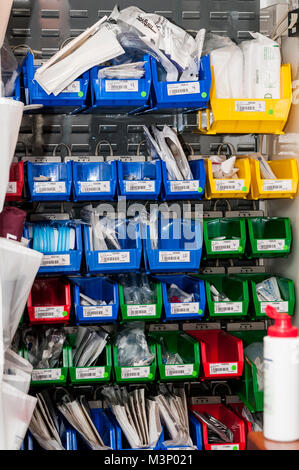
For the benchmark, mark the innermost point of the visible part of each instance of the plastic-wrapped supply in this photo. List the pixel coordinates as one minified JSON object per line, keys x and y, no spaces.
{"x":85,"y":300}
{"x":218,"y":296}
{"x":255,"y":353}
{"x":104,"y":231}
{"x":223,"y":168}
{"x":89,"y":346}
{"x":177,"y":152}
{"x":125,"y":71}
{"x":169,"y":358}
{"x":138,"y":289}
{"x":191,"y":73}
{"x":256,"y":419}
{"x":44,"y":346}
{"x":218,"y":432}
{"x":177,"y":295}
{"x":268,"y":290}
{"x":132,"y":346}
{"x":265,"y":169}
{"x":9,"y":71}
{"x":166,"y":155}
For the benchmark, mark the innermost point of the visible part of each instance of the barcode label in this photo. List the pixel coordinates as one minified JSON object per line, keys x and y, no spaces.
{"x":140,"y":186}
{"x":122,"y":85}
{"x":12,"y":187}
{"x":277,"y":185}
{"x":95,"y":186}
{"x":45,"y":374}
{"x":179,"y":369}
{"x":174,"y":257}
{"x":56,"y":260}
{"x":135,"y":372}
{"x":49,"y":312}
{"x":90,"y":373}
{"x":107,"y":258}
{"x":141,"y":310}
{"x":270,"y":245}
{"x":220,"y":369}
{"x":228,"y":307}
{"x":225,"y":245}
{"x":230,"y":185}
{"x":250,"y":106}
{"x":225,"y":447}
{"x":187,"y":88}
{"x":41,"y":187}
{"x":181,"y":186}
{"x":104,"y":311}
{"x":184,"y":308}
{"x":281,"y":307}
{"x":74,"y":87}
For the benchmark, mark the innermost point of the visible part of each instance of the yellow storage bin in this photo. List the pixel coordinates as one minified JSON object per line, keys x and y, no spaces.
{"x":244,"y":116}
{"x":284,"y":187}
{"x":228,"y":188}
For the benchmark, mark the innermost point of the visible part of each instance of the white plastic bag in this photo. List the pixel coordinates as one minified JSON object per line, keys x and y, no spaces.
{"x":228,"y":69}
{"x":4,"y":17}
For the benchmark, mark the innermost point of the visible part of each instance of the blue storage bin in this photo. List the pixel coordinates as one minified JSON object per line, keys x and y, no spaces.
{"x":104,"y":427}
{"x":179,"y":247}
{"x":60,"y":186}
{"x":94,"y":181}
{"x":186,"y":189}
{"x":69,"y":441}
{"x":74,"y":96}
{"x":140,"y":188}
{"x":65,"y":262}
{"x":132,"y":94}
{"x":96,"y":288}
{"x":184,"y":311}
{"x":111,"y":261}
{"x":181,"y":95}
{"x":195,"y":434}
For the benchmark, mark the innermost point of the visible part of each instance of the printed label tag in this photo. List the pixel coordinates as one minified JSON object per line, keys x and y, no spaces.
{"x":277,"y":185}
{"x":225,"y":245}
{"x":228,"y":307}
{"x":121,"y":85}
{"x":135,"y":372}
{"x":90,"y":373}
{"x":281,"y":307}
{"x":74,"y":87}
{"x":106,"y":258}
{"x":179,"y":369}
{"x":49,"y":312}
{"x":230,"y":185}
{"x":140,"y":186}
{"x":12,"y":187}
{"x":45,"y":374}
{"x":56,"y":260}
{"x":227,"y":368}
{"x":104,"y":311}
{"x":225,"y":447}
{"x":174,"y":257}
{"x":181,"y":186}
{"x":49,"y":187}
{"x":184,"y":308}
{"x":95,"y":186}
{"x":183,"y":88}
{"x":141,"y":310}
{"x":250,"y":106}
{"x":270,"y":245}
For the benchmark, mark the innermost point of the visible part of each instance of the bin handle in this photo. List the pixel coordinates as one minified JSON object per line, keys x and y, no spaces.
{"x":204,"y":131}
{"x":224,"y":200}
{"x":99,"y":145}
{"x":139,"y":147}
{"x":69,"y":152}
{"x":230,"y":146}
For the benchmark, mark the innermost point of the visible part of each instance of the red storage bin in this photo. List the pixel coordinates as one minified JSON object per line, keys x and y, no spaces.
{"x":237,"y":408}
{"x":16,"y":182}
{"x":227,"y":417}
{"x":49,"y":301}
{"x":222,"y":354}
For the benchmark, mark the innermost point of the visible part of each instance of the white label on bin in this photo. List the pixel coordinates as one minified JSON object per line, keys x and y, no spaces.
{"x":49,"y":312}
{"x":90,"y":373}
{"x":230,"y":185}
{"x":250,"y":106}
{"x":181,"y":186}
{"x":225,"y":447}
{"x":12,"y":187}
{"x":179,"y":369}
{"x":228,"y":307}
{"x":270,"y":245}
{"x":140,"y":186}
{"x":141,"y":310}
{"x":107,"y":258}
{"x":183,"y":88}
{"x":49,"y":187}
{"x":174,"y":257}
{"x":226,"y":368}
{"x":104,"y":311}
{"x":281,"y":307}
{"x":184,"y":308}
{"x":135,"y":372}
{"x":95,"y":186}
{"x":278,"y":185}
{"x":56,"y":260}
{"x":74,"y":87}
{"x":225,"y":245}
{"x":121,"y":85}
{"x":46,"y":374}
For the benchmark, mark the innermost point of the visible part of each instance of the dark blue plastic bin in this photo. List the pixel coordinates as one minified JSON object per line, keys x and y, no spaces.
{"x":181,"y":95}
{"x":111,"y":261}
{"x":104,"y":427}
{"x":195,"y":434}
{"x":60,"y":186}
{"x":75,"y":98}
{"x":110,"y":93}
{"x":186,"y":189}
{"x":140,"y":188}
{"x":94,"y":181}
{"x":179,"y":249}
{"x":65,"y":262}
{"x":184,"y":311}
{"x":97,"y":288}
{"x":69,"y":441}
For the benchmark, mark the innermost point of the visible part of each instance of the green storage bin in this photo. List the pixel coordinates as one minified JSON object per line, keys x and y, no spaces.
{"x":101,"y":372}
{"x":55,"y":376}
{"x":235,"y":289}
{"x":141,"y":312}
{"x":135,"y":374}
{"x":248,"y":390}
{"x":287,"y":291}
{"x":234,"y":229}
{"x":187,"y":347}
{"x":269,"y":237}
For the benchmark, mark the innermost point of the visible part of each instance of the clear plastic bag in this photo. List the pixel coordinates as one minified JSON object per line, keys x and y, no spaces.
{"x":177,"y":295}
{"x":89,"y":346}
{"x":138,"y":290}
{"x":9,"y":71}
{"x":132,"y":346}
{"x":44,"y":346}
{"x":255,"y":352}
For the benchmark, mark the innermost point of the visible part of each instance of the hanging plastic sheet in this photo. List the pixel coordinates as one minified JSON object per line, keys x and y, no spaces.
{"x":4,"y":17}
